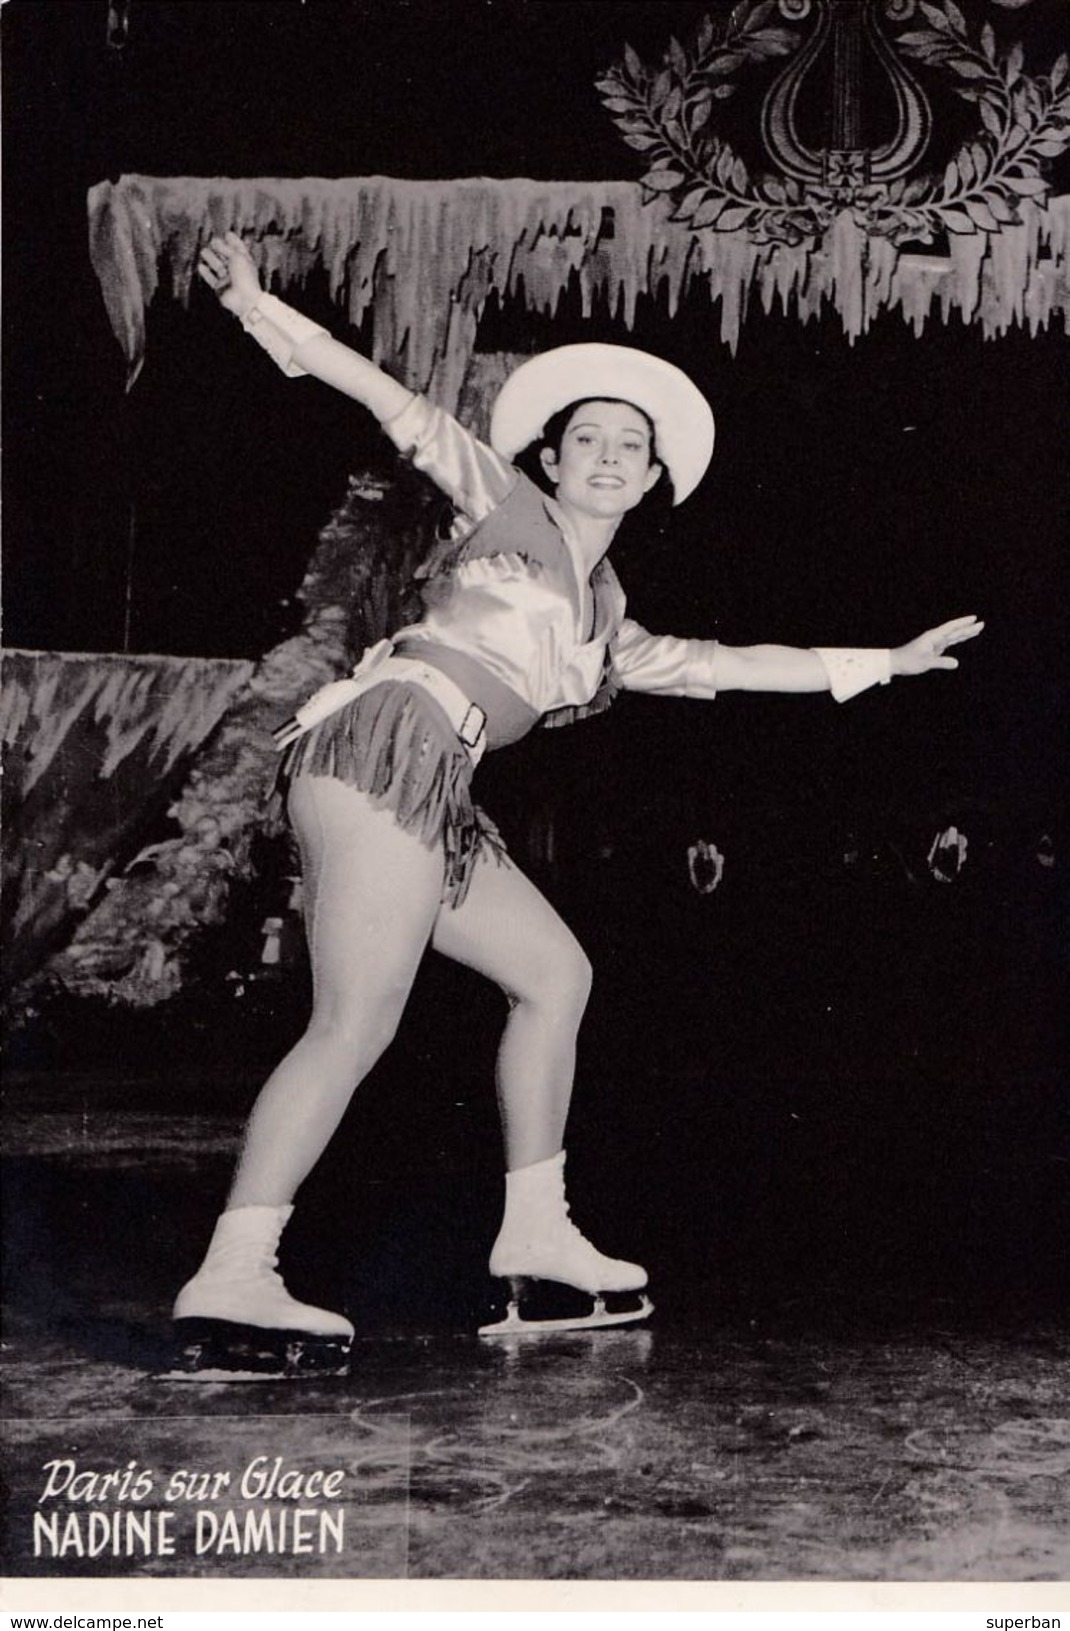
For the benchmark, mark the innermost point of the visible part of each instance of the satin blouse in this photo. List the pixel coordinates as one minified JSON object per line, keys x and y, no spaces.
{"x":514,"y":596}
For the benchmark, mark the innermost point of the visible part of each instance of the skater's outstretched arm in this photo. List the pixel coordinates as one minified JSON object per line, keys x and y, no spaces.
{"x":701,"y":668}
{"x":470,"y":473}
{"x":229,"y":269}
{"x":794,"y":669}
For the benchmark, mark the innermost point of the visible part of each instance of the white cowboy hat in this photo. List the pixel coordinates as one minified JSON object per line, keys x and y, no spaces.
{"x":539,"y":388}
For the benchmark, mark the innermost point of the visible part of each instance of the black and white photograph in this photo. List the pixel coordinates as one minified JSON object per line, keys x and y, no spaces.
{"x":535,"y":841}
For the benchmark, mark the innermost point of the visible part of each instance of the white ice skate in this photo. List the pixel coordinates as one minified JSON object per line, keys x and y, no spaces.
{"x":539,"y":1242}
{"x":236,"y":1322}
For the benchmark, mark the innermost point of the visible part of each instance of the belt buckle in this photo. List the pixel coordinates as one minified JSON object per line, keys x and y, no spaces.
{"x":472,"y":725}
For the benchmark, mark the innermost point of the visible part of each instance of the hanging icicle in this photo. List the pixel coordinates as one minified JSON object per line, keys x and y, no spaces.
{"x":118,"y":26}
{"x":425,"y":256}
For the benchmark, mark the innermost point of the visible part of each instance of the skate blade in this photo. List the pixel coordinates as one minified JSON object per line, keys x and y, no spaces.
{"x":514,"y":1325}
{"x":215,"y":1351}
{"x":206,"y":1375}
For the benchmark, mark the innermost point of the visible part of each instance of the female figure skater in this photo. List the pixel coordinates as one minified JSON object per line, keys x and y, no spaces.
{"x":526,"y":618}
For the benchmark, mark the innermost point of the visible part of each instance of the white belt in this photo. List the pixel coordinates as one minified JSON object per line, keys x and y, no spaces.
{"x":378,"y":664}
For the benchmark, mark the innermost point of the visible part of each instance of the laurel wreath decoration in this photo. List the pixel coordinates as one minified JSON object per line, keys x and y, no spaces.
{"x":666,"y":113}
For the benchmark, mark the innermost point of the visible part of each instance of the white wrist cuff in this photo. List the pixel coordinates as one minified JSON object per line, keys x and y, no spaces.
{"x":280,"y":330}
{"x":851,"y":670}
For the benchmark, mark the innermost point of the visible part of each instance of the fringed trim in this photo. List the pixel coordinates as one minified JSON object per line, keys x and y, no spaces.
{"x":394,"y":744}
{"x":504,"y":566}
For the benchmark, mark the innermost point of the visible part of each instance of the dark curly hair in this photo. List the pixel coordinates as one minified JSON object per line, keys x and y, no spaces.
{"x":650,"y":516}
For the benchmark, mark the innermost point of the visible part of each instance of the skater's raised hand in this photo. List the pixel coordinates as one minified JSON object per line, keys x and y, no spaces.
{"x":230,"y":272}
{"x":296,"y":344}
{"x":927,"y":651}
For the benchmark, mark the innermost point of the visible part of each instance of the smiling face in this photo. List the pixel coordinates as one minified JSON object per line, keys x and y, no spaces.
{"x":604,"y":466}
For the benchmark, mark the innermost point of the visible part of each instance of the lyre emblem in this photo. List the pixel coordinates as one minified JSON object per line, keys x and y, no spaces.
{"x":845,"y":122}
{"x":848,"y":49}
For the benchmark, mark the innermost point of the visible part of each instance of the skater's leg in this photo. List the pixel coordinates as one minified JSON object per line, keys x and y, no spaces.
{"x":371,"y":893}
{"x":508,"y":931}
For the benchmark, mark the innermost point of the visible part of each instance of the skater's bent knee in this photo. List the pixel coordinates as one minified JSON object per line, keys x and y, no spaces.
{"x":559,"y":982}
{"x":359,"y":1036}
{"x":581,"y":977}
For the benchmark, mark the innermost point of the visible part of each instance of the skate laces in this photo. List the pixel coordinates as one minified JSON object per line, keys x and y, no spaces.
{"x":573,"y":1232}
{"x":262,"y":1262}
{"x":270,"y":1265}
{"x":266,"y":1269}
{"x":578,"y":1238}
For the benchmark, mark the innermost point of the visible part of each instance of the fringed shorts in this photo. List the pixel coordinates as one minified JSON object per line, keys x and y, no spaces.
{"x":394,"y":743}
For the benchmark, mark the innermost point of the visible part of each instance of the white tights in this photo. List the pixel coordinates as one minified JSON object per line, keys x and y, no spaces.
{"x":372,"y":894}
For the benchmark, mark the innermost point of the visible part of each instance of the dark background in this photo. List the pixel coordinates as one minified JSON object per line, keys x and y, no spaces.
{"x":823,"y":1067}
